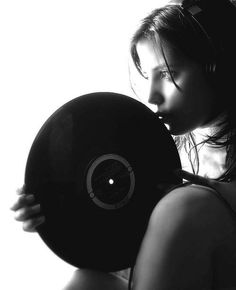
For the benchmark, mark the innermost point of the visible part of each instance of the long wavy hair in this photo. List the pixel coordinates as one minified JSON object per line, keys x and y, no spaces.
{"x":214,"y":47}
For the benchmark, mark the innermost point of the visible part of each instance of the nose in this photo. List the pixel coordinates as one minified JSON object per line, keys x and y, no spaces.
{"x":155,"y":96}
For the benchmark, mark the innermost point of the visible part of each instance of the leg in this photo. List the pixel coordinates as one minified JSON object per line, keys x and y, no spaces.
{"x":85,"y":279}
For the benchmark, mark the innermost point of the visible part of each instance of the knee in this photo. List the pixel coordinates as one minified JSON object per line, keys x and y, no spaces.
{"x":80,"y":280}
{"x":85,"y":279}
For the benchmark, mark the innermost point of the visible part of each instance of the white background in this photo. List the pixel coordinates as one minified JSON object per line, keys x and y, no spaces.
{"x":51,"y":52}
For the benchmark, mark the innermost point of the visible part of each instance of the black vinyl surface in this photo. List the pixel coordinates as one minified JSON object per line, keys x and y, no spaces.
{"x":94,"y":167}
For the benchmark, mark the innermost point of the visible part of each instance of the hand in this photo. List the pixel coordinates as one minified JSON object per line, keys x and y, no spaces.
{"x":227,"y":190}
{"x":27,"y":211}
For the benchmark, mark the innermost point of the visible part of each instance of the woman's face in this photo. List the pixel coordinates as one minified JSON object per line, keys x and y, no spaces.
{"x":184,"y":107}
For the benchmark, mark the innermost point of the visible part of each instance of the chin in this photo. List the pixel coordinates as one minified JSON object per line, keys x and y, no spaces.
{"x":176,"y":131}
{"x":181,"y":128}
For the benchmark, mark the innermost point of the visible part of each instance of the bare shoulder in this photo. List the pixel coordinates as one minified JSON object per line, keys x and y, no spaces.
{"x":194,"y":199}
{"x":196,"y":209}
{"x":181,"y":236}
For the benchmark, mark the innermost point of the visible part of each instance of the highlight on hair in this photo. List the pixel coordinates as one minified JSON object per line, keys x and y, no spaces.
{"x":169,"y":23}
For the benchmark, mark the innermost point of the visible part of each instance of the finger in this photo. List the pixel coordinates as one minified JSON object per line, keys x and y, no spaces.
{"x":32,"y":224}
{"x":224,"y":190}
{"x":194,"y":178}
{"x":23,"y":200}
{"x":21,"y":190}
{"x":27,"y":212}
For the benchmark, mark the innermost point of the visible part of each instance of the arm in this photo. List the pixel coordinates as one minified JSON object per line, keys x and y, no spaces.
{"x":176,"y":250}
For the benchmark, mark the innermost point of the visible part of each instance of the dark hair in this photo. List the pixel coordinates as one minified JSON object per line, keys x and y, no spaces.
{"x":173,"y":24}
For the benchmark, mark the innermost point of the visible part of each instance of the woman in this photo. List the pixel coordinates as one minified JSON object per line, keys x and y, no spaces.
{"x":186,"y":53}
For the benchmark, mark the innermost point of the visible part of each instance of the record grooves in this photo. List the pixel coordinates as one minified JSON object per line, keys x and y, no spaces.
{"x":94,"y":167}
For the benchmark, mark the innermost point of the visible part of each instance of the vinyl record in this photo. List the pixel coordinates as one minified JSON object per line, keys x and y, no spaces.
{"x":94,"y":167}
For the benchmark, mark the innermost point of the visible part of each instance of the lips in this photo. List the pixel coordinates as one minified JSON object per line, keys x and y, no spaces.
{"x":163,"y":117}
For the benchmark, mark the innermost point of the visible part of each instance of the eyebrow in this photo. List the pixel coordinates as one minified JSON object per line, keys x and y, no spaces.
{"x":161,"y":66}
{"x":158,"y":67}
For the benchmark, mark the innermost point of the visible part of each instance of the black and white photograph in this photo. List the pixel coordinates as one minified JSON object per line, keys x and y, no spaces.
{"x":118,"y":145}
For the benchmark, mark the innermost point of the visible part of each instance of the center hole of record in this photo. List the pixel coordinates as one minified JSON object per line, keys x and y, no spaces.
{"x":110,"y":181}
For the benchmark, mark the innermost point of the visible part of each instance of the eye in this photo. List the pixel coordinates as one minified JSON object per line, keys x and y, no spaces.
{"x":165,"y":74}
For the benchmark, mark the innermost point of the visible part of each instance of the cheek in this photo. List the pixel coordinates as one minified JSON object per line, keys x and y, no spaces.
{"x":200,"y":102}
{"x":170,"y":91}
{"x":187,"y":116}
{"x":188,"y":112}
{"x":195,"y":96}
